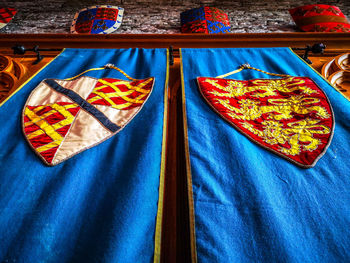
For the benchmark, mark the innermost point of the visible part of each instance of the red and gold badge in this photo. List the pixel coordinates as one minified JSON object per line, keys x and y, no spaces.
{"x":290,"y":116}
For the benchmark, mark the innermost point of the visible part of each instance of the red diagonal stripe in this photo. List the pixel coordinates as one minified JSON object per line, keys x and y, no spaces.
{"x":40,"y":140}
{"x":49,"y":154}
{"x":6,"y":14}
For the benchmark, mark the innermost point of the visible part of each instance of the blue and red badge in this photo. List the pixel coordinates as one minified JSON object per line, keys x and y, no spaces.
{"x":99,"y":19}
{"x":208,"y":20}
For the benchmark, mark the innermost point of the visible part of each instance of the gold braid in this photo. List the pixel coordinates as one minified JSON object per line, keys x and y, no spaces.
{"x":105,"y":67}
{"x":247,"y":66}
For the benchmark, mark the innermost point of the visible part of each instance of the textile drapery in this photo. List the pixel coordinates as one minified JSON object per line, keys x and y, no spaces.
{"x":246,"y":203}
{"x":100,"y":205}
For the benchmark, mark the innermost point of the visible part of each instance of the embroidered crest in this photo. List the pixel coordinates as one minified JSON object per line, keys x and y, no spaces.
{"x":6,"y":15}
{"x":99,"y":19}
{"x":205,"y":20}
{"x":290,"y":116}
{"x":64,"y":117}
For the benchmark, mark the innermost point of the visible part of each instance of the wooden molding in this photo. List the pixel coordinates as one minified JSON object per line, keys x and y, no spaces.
{"x":333,"y":41}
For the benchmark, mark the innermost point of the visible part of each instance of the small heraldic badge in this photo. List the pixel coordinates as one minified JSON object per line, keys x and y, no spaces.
{"x":99,"y":19}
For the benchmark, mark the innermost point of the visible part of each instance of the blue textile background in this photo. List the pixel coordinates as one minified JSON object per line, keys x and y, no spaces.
{"x":100,"y":205}
{"x":250,"y":204}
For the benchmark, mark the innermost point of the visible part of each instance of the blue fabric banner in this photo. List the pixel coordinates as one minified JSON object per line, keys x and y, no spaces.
{"x":101,"y":205}
{"x":251,"y":205}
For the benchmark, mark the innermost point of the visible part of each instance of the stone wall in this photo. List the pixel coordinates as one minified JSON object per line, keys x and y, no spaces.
{"x":158,"y":16}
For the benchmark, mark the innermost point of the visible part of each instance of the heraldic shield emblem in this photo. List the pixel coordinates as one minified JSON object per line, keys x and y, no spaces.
{"x":62,"y":118}
{"x":99,"y":19}
{"x":291,"y":116}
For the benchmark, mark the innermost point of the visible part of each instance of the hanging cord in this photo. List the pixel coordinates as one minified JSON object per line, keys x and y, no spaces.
{"x":247,"y":66}
{"x":107,"y":66}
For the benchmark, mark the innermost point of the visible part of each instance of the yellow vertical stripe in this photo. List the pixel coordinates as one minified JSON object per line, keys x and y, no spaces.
{"x":159,"y":219}
{"x":188,"y":170}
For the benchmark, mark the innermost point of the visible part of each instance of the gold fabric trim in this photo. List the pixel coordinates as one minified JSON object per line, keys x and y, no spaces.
{"x":188,"y":171}
{"x":159,"y":219}
{"x":107,"y":66}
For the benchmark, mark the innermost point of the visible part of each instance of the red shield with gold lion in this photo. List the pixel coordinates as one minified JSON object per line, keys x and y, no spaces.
{"x":291,"y":117}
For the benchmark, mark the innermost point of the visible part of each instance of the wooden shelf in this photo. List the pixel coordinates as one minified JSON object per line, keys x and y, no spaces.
{"x":334,"y":41}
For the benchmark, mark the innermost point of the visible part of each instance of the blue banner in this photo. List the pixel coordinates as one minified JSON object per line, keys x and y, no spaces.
{"x":251,"y":205}
{"x":101,"y":205}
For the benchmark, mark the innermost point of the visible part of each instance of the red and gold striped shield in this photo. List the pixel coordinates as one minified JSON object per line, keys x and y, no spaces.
{"x":64,"y":117}
{"x":291,"y":117}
